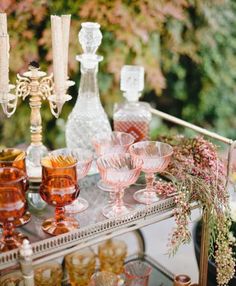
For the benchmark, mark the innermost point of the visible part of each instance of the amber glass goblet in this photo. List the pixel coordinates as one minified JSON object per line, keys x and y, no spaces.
{"x":59,"y":188}
{"x":12,"y":205}
{"x":84,"y":159}
{"x":12,"y":157}
{"x":156,"y":157}
{"x":119,"y":171}
{"x":112,"y":143}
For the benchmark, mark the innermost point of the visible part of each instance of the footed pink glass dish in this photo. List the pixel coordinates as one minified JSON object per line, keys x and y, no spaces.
{"x":156,"y":157}
{"x":115,"y":143}
{"x":119,"y":171}
{"x":84,"y":160}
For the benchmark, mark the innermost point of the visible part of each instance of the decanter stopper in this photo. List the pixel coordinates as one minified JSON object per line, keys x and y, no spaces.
{"x":90,"y":37}
{"x":132,"y":81}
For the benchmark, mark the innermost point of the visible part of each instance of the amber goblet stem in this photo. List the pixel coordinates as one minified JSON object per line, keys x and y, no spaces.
{"x":8,"y":231}
{"x":59,"y":214}
{"x":149,"y":181}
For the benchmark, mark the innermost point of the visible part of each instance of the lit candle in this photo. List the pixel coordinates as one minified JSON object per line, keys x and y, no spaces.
{"x":4,"y":55}
{"x":60,"y":44}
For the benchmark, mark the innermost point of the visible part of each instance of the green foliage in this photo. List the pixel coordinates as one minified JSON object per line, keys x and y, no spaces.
{"x":186,"y":47}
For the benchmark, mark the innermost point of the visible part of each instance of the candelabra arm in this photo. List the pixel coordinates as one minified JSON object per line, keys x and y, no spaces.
{"x":8,"y":100}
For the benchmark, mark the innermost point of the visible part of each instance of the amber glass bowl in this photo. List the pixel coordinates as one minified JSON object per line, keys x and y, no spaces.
{"x":59,"y":188}
{"x":12,"y":157}
{"x":12,"y":206}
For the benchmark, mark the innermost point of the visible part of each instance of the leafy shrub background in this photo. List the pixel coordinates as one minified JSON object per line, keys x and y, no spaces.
{"x":187,"y":48}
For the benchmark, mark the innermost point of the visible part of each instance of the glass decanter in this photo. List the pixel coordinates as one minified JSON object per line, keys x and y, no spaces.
{"x":132,"y":116}
{"x":88,"y":116}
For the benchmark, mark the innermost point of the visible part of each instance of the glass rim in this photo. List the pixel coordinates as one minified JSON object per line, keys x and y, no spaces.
{"x":111,"y":274}
{"x":133,"y":276}
{"x":111,"y":155}
{"x":131,"y":149}
{"x":58,"y":168}
{"x":96,"y":139}
{"x":90,"y":154}
{"x":22,"y":175}
{"x":11,"y":161}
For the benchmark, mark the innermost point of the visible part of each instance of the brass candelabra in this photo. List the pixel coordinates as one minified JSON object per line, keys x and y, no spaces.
{"x":36,"y":85}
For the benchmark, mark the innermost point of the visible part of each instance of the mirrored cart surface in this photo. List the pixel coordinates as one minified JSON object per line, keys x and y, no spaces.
{"x":94,"y":227}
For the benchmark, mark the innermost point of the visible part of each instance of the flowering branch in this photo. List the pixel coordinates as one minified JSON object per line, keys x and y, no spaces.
{"x":200,"y":176}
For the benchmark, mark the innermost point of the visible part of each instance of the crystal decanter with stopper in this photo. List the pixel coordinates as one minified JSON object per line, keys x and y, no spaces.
{"x":132,"y":116}
{"x":88,"y":116}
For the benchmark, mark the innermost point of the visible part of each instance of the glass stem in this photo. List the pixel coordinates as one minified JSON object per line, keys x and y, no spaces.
{"x":8,"y":230}
{"x":149,"y":181}
{"x":59,"y":214}
{"x":119,"y":198}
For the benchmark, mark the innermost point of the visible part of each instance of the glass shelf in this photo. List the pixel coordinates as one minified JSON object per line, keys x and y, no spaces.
{"x":94,"y":227}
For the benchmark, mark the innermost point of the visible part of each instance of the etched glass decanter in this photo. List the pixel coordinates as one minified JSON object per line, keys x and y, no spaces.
{"x":88,"y":116}
{"x":132,"y":116}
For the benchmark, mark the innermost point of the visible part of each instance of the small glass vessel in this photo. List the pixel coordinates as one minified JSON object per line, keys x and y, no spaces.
{"x":137,"y":273}
{"x":84,"y":159}
{"x":88,"y":116}
{"x":182,"y":280}
{"x":104,"y":278}
{"x":59,"y":188}
{"x":12,"y":157}
{"x":112,"y":254}
{"x":112,"y":143}
{"x":132,"y":116}
{"x":12,"y":279}
{"x":80,"y":266}
{"x":48,"y":274}
{"x":12,"y":206}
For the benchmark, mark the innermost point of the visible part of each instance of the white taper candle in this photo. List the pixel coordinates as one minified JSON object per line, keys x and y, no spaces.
{"x":58,"y":57}
{"x":4,"y":56}
{"x":65,"y":37}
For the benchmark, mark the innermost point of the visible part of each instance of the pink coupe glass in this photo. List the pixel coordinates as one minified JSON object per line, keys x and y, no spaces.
{"x":119,"y":171}
{"x":111,"y":143}
{"x":156,"y":157}
{"x":84,"y":160}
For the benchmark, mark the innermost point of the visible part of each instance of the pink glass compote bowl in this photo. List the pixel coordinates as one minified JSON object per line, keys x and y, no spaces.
{"x":84,"y":159}
{"x":119,"y":171}
{"x":156,"y":157}
{"x":112,"y":143}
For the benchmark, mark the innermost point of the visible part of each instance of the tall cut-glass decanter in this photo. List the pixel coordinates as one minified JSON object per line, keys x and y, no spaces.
{"x":88,"y":116}
{"x":132,"y":116}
